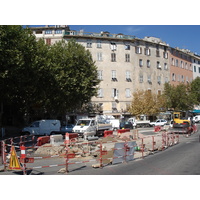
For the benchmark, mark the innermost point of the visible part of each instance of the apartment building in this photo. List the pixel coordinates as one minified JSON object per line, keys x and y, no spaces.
{"x":125,"y":64}
{"x":196,"y":66}
{"x":180,"y":66}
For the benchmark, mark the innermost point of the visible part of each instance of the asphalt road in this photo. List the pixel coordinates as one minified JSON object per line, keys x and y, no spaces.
{"x":181,"y":159}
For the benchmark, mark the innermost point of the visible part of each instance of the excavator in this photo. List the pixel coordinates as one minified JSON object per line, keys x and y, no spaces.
{"x":182,"y":122}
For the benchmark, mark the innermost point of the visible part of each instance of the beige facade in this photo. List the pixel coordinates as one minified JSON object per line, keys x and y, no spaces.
{"x":125,"y":64}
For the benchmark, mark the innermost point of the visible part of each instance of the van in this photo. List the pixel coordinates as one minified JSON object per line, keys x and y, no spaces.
{"x":43,"y":127}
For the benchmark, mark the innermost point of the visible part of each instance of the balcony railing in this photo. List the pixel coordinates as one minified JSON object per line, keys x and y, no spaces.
{"x":98,"y":35}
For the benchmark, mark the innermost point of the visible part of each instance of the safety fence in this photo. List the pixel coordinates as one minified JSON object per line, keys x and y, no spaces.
{"x":108,"y":150}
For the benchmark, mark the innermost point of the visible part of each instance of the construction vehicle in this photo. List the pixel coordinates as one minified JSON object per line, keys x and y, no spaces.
{"x":90,"y":127}
{"x":181,"y":123}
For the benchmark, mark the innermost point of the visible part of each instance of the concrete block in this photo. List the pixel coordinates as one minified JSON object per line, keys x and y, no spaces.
{"x":56,"y":140}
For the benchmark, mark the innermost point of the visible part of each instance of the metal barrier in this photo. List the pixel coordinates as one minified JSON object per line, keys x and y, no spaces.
{"x":109,"y":150}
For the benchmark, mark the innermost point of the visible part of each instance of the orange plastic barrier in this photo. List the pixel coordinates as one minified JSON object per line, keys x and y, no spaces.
{"x":157,"y":128}
{"x":123,"y":130}
{"x":108,"y":133}
{"x":43,"y":140}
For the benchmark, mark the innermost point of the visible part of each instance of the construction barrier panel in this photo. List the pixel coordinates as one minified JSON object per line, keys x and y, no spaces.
{"x":108,"y":133}
{"x":108,"y":150}
{"x":43,"y":140}
{"x":123,"y":130}
{"x":157,"y":128}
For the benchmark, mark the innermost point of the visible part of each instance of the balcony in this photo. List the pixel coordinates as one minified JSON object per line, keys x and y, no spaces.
{"x":102,"y":35}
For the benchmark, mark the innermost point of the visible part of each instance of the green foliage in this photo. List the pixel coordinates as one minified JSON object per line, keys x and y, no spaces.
{"x":38,"y":79}
{"x":179,"y":97}
{"x":195,"y":90}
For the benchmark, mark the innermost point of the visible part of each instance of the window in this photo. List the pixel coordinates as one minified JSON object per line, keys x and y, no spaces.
{"x":100,"y":93}
{"x":140,"y":62}
{"x":48,"y":41}
{"x":98,"y":43}
{"x":149,"y":79}
{"x":165,"y":54}
{"x":141,"y":78}
{"x":114,"y":75}
{"x":165,"y":66}
{"x":89,"y":44}
{"x":48,"y":32}
{"x":181,"y":65}
{"x":199,"y":69}
{"x":159,"y":93}
{"x":99,"y":56}
{"x":128,"y":76}
{"x":138,"y":50}
{"x":148,"y":64}
{"x":173,"y":62}
{"x":58,"y":31}
{"x":113,"y":57}
{"x":128,"y":92}
{"x":194,"y":68}
{"x":147,"y":51}
{"x":113,"y":46}
{"x":159,"y":79}
{"x":173,"y":77}
{"x":186,"y":66}
{"x":127,"y":57}
{"x":115,"y":92}
{"x":176,"y":62}
{"x":127,"y":46}
{"x":158,"y":65}
{"x":114,"y":107}
{"x":182,"y":78}
{"x":100,"y":74}
{"x":166,"y":80}
{"x":38,"y":32}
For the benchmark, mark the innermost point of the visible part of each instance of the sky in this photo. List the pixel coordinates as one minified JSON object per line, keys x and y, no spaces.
{"x":182,"y":36}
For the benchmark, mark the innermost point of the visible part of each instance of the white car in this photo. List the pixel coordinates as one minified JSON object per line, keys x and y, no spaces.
{"x":196,"y":118}
{"x":158,"y":122}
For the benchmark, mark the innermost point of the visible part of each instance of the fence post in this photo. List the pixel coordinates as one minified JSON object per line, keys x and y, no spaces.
{"x":67,"y":159}
{"x":100,"y":157}
{"x":153,"y":143}
{"x":4,"y":154}
{"x":22,"y":157}
{"x":143,"y":148}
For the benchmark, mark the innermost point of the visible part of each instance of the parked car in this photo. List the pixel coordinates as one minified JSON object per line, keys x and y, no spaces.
{"x":126,"y":125}
{"x":67,"y":129}
{"x":158,"y":122}
{"x":196,"y":118}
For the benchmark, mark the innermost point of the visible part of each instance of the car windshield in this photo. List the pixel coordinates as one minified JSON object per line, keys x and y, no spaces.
{"x":83,"y":122}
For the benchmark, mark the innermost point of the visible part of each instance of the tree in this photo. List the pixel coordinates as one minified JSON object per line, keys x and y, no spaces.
{"x":72,"y":78}
{"x":195,"y":90}
{"x":17,"y":47}
{"x":179,"y":97}
{"x":144,"y":102}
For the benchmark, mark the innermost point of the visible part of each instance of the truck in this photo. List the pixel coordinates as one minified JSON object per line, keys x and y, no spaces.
{"x":139,"y":123}
{"x":43,"y":127}
{"x":91,"y":127}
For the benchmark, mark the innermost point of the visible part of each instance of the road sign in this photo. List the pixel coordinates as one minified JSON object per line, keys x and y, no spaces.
{"x":14,"y":162}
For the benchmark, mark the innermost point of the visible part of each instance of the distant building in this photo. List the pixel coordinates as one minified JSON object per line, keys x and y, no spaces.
{"x":126,"y":64}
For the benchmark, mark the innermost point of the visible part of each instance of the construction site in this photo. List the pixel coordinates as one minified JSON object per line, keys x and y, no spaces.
{"x":25,"y":154}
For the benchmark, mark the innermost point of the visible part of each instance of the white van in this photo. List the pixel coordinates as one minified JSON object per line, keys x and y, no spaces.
{"x":43,"y":127}
{"x":196,"y":118}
